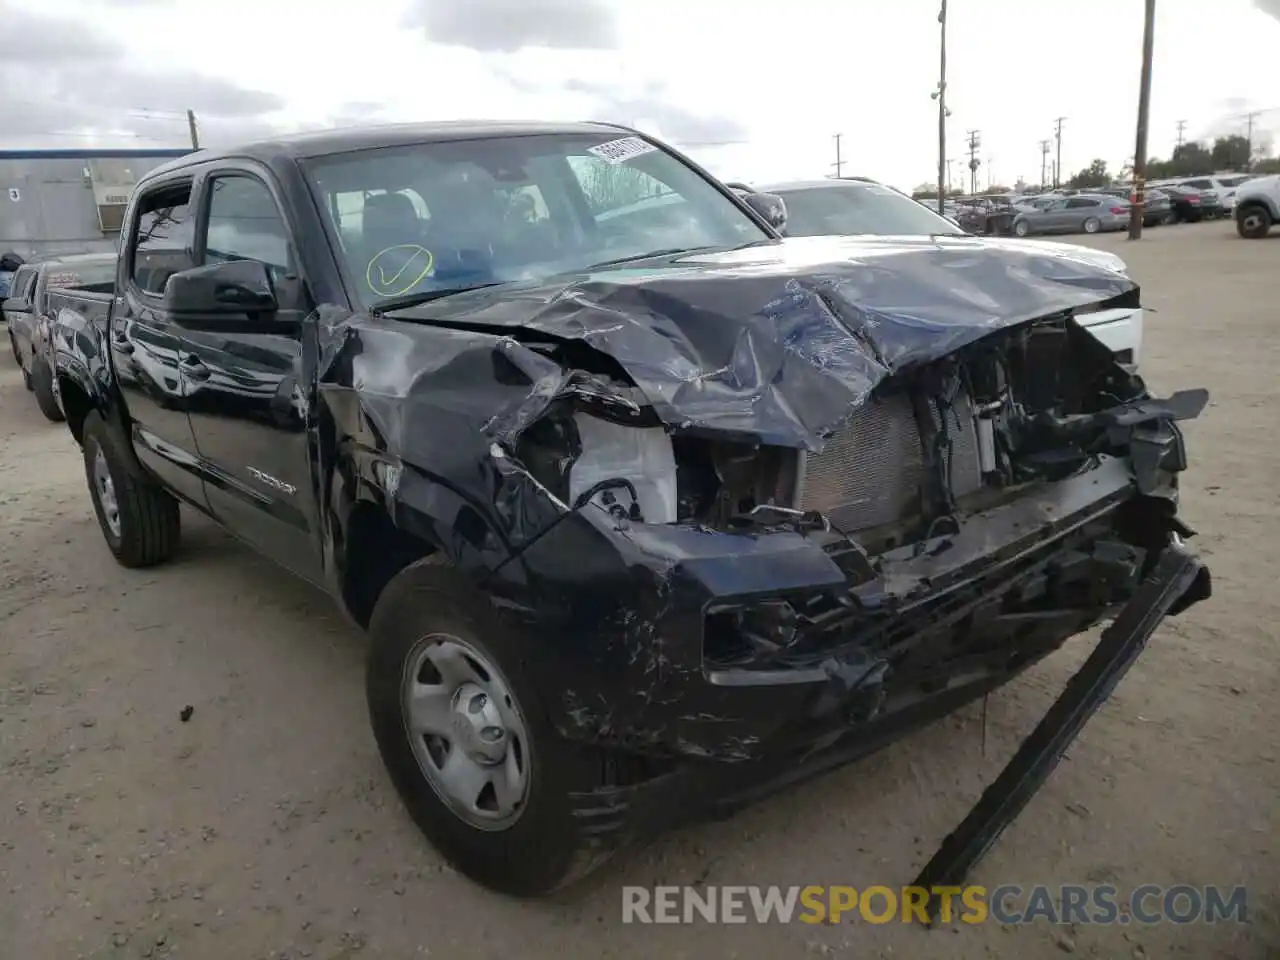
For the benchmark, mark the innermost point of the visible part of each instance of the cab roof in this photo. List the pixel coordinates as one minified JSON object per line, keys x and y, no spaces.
{"x":320,"y":143}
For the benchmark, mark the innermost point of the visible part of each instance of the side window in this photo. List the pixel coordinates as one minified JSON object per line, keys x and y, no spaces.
{"x":245,"y":224}
{"x":1199,"y":184}
{"x":162,"y":240}
{"x":1078,"y":202}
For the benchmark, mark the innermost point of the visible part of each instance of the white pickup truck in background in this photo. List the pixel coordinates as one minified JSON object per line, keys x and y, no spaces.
{"x":1257,"y":206}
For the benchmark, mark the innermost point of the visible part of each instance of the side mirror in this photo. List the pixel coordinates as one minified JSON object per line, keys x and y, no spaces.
{"x":233,"y":288}
{"x":770,"y":206}
{"x":16,"y":305}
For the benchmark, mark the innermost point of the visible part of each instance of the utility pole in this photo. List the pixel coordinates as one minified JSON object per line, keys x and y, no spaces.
{"x":941,"y":96}
{"x":1044,"y":163}
{"x":195,"y":132}
{"x":839,"y":164}
{"x":1249,"y":137}
{"x":1057,"y":167}
{"x":975,"y":141}
{"x":1144,"y":110}
{"x":950,"y":161}
{"x":1182,"y":125}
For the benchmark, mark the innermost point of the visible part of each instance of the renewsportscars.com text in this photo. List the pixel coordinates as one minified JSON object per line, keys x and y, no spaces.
{"x":1005,"y":904}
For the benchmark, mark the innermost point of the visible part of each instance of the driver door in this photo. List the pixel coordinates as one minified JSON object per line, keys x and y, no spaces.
{"x":249,"y":397}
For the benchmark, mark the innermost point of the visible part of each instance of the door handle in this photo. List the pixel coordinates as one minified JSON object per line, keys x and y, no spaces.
{"x":192,"y":367}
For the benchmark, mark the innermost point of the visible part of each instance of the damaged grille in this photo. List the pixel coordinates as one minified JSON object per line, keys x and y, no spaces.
{"x":872,"y":469}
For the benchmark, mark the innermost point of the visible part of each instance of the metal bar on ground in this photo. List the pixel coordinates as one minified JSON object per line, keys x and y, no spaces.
{"x":1121,"y":643}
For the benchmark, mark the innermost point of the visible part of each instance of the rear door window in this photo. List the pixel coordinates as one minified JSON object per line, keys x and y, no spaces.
{"x":1076,"y":203}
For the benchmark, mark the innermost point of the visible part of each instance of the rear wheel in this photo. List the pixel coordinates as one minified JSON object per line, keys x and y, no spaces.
{"x":1092,"y":225}
{"x":465,"y":737}
{"x":42,"y":383}
{"x":1253,"y":222}
{"x":138,"y":518}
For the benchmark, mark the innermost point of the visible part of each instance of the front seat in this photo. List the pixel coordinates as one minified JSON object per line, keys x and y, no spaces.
{"x":389,"y":223}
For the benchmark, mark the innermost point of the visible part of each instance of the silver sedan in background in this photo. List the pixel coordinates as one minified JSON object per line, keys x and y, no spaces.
{"x":1081,"y":213}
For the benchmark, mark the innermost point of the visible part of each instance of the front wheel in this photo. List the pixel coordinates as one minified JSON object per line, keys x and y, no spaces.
{"x":1021,"y":228}
{"x":1253,"y":222}
{"x":1092,"y":225}
{"x":42,"y":383}
{"x":138,"y":518}
{"x":466,"y":739}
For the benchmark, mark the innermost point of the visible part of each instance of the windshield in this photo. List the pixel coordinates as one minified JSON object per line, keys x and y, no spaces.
{"x":455,"y":214}
{"x":848,"y":208}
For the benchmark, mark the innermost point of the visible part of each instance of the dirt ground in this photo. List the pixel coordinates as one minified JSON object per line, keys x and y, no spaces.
{"x":265,"y":826}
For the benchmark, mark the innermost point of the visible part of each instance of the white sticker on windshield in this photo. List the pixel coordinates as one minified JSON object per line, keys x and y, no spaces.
{"x":620,"y":151}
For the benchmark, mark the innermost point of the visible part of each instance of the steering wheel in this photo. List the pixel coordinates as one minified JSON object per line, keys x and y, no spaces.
{"x":385,"y":279}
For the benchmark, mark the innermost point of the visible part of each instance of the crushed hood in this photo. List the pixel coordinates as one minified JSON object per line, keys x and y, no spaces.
{"x":781,"y":342}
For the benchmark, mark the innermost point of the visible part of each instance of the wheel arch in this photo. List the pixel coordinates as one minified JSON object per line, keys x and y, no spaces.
{"x":386,"y":515}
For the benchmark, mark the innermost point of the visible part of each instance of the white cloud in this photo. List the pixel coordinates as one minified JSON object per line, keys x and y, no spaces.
{"x":781,"y":78}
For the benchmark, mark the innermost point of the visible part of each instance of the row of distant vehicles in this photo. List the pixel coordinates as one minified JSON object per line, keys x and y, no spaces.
{"x":1102,"y":209}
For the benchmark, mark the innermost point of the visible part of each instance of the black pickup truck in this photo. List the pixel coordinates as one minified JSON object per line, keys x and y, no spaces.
{"x":646,"y":510}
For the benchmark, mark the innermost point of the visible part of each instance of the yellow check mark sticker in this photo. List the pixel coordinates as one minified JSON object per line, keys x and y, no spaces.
{"x":376,"y":276}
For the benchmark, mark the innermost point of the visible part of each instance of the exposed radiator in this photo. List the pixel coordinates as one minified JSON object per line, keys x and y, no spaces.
{"x":871,"y":471}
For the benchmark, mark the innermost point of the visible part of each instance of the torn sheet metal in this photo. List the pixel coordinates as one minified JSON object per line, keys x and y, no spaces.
{"x":779,"y":343}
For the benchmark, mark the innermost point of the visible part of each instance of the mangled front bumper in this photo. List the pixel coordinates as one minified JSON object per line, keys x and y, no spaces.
{"x":640,"y":622}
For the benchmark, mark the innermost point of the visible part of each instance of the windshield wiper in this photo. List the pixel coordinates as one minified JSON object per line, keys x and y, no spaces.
{"x":672,"y":251}
{"x":665,"y":252}
{"x":387,"y":304}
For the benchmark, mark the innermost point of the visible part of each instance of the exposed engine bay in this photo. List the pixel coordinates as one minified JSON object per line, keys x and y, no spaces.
{"x":1027,"y":404}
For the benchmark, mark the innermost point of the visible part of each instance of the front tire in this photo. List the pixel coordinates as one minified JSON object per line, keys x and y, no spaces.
{"x":1021,"y":228}
{"x":1253,"y":222}
{"x":138,"y":518}
{"x":466,"y":739}
{"x":42,"y":383}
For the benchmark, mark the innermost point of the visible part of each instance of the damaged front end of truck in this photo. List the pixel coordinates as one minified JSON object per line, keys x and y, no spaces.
{"x":758,"y":518}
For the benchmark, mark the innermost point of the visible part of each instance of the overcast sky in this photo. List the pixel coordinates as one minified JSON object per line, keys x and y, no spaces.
{"x":755,"y":91}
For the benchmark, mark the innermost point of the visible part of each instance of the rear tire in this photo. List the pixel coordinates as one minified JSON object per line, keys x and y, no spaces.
{"x":1092,"y":225}
{"x":42,"y":382}
{"x":1253,"y":222}
{"x":138,"y":518}
{"x":531,"y":845}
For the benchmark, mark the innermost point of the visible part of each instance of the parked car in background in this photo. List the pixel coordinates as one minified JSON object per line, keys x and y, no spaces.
{"x":26,"y":312}
{"x":1224,"y":186}
{"x":1258,"y":206}
{"x":1188,"y":203}
{"x":866,"y":208}
{"x":1082,"y":213}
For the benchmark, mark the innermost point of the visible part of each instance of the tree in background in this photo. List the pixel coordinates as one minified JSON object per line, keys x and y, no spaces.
{"x":1094,"y":175}
{"x":1231,"y":153}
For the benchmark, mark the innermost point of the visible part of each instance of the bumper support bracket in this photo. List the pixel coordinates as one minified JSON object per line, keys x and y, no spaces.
{"x":1165,"y":590}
